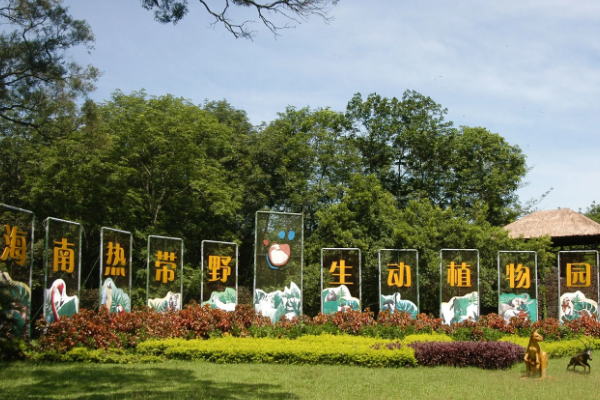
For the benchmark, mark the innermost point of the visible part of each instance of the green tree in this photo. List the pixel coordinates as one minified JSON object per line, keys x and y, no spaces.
{"x":172,"y":11}
{"x":417,"y":155}
{"x":487,"y":172}
{"x":302,"y":162}
{"x":365,"y":218}
{"x":38,"y":80}
{"x":150,"y":165}
{"x":593,"y":212}
{"x":404,"y":143}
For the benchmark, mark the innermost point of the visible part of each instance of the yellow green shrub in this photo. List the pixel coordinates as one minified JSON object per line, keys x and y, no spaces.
{"x":323,"y":349}
{"x":425,"y":338}
{"x":565,"y":348}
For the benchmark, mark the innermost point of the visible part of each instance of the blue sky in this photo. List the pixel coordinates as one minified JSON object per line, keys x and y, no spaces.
{"x":527,"y":70}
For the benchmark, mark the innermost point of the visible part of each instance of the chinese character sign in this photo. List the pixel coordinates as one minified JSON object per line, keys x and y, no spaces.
{"x":578,"y":284}
{"x":459,"y":284}
{"x":517,"y":291}
{"x":219,"y":274}
{"x":16,"y":240}
{"x":62,"y":265}
{"x":340,"y":280}
{"x":399,"y":283}
{"x":115,"y":270}
{"x":278,"y":264}
{"x":165,"y":271}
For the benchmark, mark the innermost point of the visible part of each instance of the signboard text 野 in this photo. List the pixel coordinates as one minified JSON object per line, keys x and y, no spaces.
{"x":218,"y":268}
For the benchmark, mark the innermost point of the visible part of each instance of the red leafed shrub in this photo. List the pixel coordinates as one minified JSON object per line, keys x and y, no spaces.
{"x":105,"y":330}
{"x":486,"y":355}
{"x":352,"y":321}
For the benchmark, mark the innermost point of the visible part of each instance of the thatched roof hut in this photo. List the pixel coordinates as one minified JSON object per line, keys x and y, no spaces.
{"x":565,"y":226}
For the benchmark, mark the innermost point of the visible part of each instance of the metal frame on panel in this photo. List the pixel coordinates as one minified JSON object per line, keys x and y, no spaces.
{"x":441,"y":275}
{"x":202,"y":267}
{"x":46,"y":224}
{"x":359,"y":270}
{"x":102,"y":254}
{"x":148,"y":265}
{"x":301,"y":254}
{"x":31,"y":252}
{"x":417,"y":274}
{"x":597,"y":273}
{"x":536,"y":277}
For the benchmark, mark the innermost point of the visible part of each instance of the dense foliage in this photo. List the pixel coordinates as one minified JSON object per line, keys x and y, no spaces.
{"x":485,"y":355}
{"x":104,"y":330}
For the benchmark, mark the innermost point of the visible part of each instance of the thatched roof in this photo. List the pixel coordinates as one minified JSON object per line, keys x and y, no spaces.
{"x":563,"y":223}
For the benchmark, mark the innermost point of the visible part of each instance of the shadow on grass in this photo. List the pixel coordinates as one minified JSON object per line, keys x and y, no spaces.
{"x":88,"y":381}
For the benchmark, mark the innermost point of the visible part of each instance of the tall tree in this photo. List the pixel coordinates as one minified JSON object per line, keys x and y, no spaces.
{"x":38,"y":80}
{"x":403,"y":142}
{"x":302,"y":161}
{"x":295,"y":11}
{"x":416,"y":154}
{"x":487,"y":172}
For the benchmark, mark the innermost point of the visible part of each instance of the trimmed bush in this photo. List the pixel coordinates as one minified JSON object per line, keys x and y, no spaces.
{"x":324,"y":349}
{"x":486,"y":355}
{"x":81,"y":354}
{"x":425,"y":338}
{"x":566,"y":348}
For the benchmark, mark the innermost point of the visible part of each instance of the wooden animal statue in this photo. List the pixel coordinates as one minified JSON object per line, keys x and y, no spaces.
{"x":536,"y":360}
{"x":582,"y":358}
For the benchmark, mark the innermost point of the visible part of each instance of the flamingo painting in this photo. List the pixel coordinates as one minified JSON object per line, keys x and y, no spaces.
{"x":58,"y":304}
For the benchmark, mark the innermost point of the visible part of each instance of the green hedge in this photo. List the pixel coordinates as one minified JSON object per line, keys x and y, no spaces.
{"x":323,"y":349}
{"x":565,"y":348}
{"x":102,"y":356}
{"x":425,"y":338}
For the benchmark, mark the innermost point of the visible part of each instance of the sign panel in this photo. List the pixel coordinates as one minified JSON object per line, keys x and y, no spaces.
{"x":278,"y":264}
{"x":62,"y":268}
{"x":219,"y":274}
{"x":164,"y":284}
{"x":399,"y":281}
{"x":578,"y":284}
{"x":16,"y":259}
{"x":517,"y":285}
{"x":340,"y":280}
{"x":115,"y":269}
{"x":459,"y":285}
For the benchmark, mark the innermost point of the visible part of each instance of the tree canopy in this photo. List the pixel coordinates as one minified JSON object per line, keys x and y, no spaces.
{"x":290,"y":11}
{"x":38,"y":81}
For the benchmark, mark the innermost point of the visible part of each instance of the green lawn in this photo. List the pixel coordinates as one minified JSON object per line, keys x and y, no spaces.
{"x":185,"y":380}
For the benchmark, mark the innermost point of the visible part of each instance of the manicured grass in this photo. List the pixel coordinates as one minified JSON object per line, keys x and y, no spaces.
{"x":189,"y":380}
